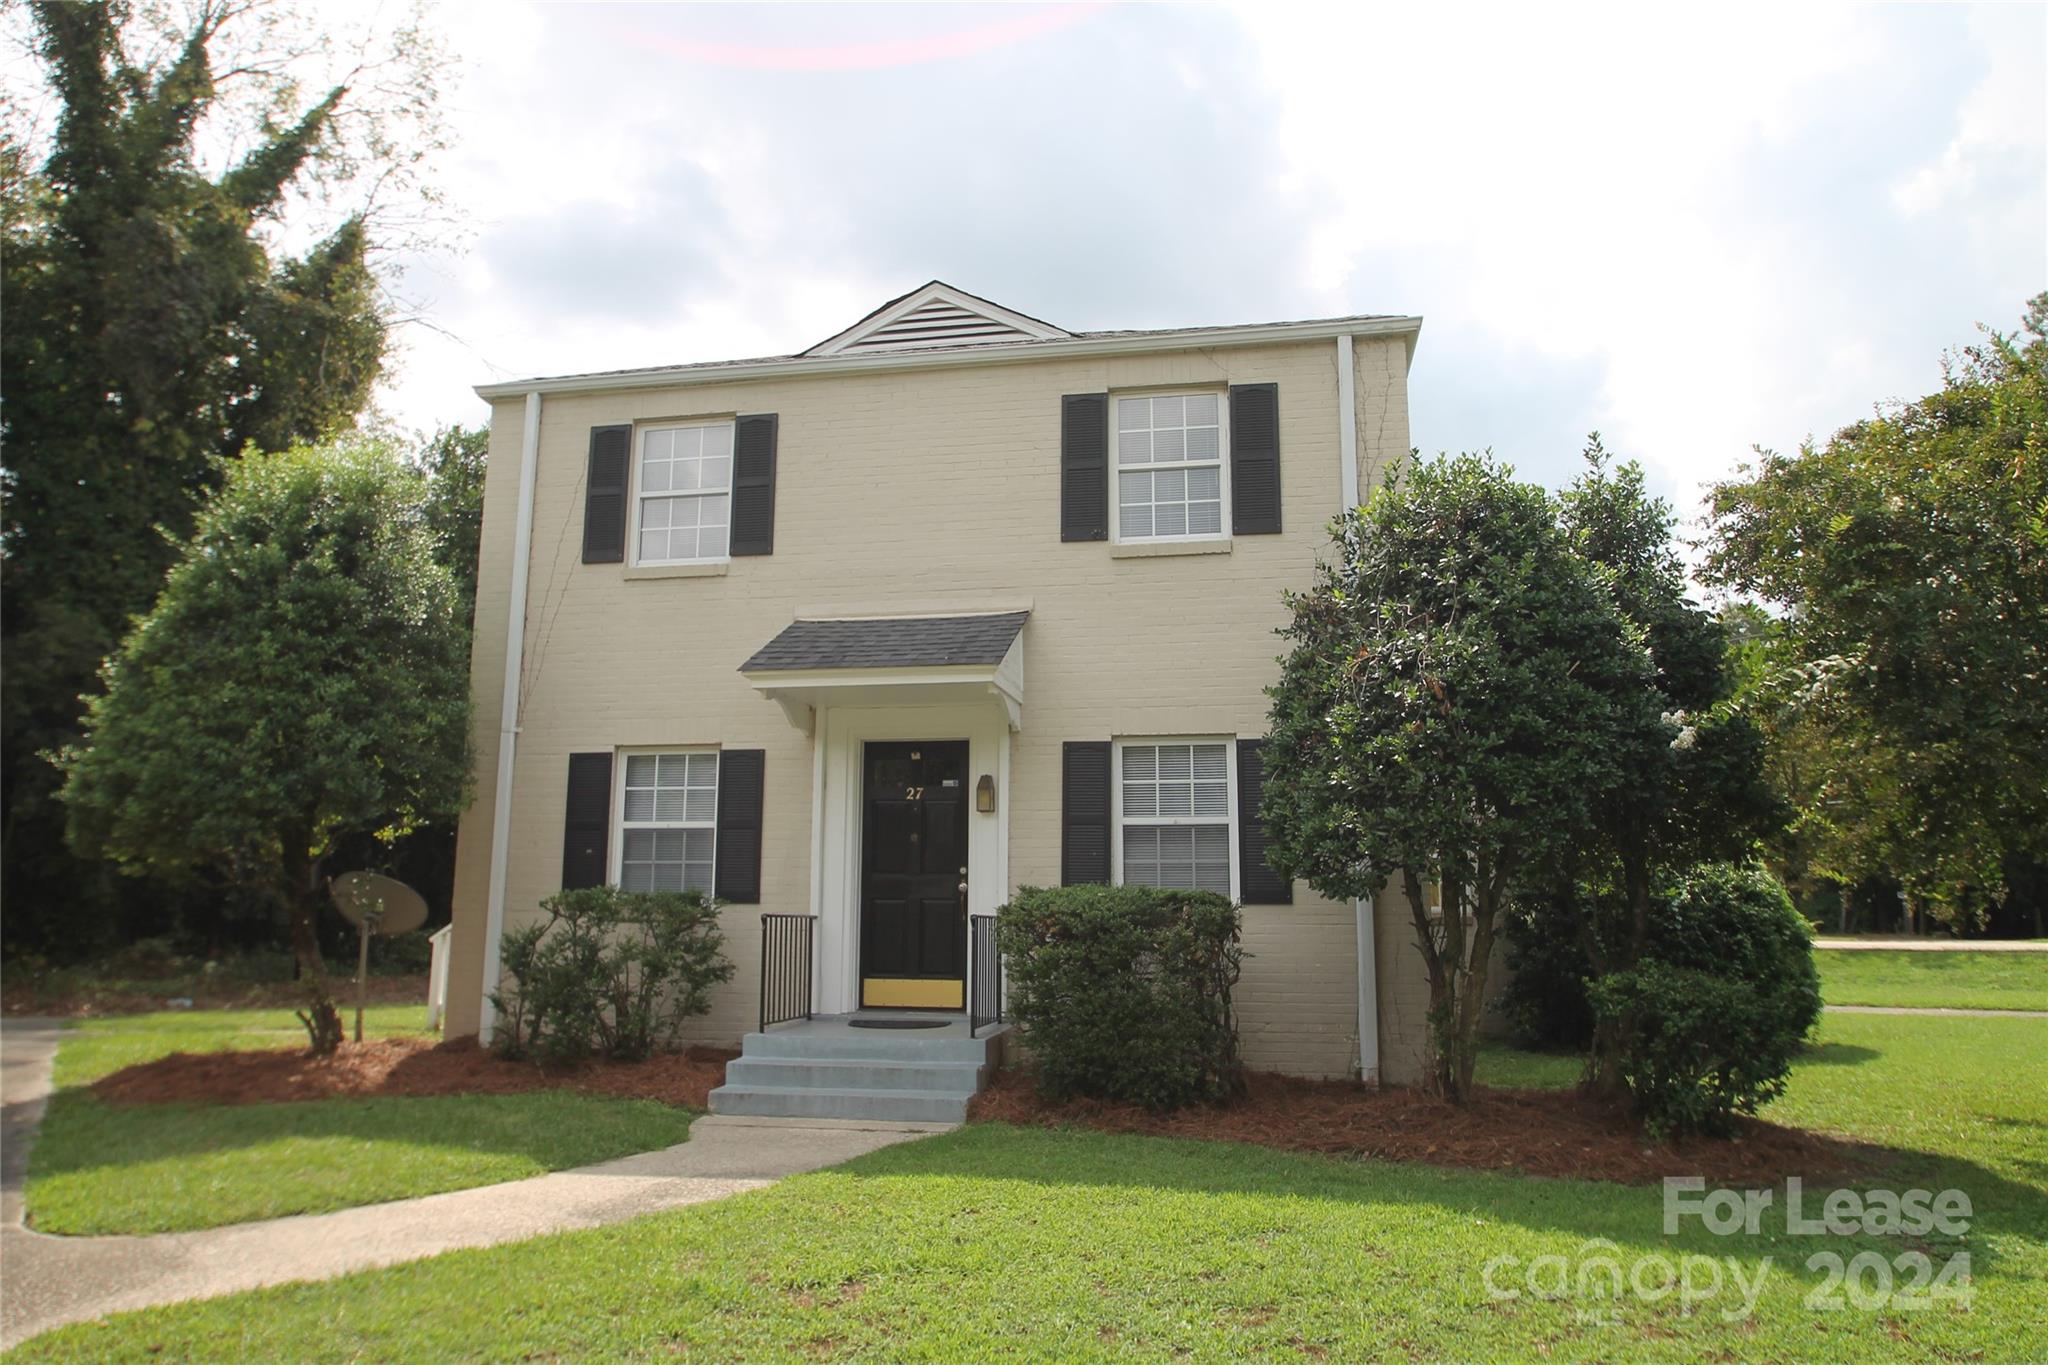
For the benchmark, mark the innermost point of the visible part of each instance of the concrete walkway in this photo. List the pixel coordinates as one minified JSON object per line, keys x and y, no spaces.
{"x":47,"y":1281}
{"x":1936,"y":945}
{"x":1938,"y":1011}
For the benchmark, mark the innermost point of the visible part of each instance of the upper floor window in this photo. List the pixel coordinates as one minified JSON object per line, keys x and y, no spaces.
{"x":1170,"y":478}
{"x":668,"y":821}
{"x":1176,"y":814}
{"x":683,"y":493}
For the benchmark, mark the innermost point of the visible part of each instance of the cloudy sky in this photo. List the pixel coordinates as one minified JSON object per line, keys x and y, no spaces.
{"x":1696,"y":230}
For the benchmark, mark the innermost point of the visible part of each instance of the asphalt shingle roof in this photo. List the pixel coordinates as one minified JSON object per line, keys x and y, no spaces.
{"x":890,"y":642}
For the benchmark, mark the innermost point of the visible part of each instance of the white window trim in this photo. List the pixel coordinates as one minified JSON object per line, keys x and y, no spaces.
{"x":1116,"y":802}
{"x":616,"y":857}
{"x":1116,"y":521}
{"x":641,"y":432}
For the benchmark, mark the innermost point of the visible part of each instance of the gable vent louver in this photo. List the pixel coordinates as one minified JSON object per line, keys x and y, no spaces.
{"x":937,"y":323}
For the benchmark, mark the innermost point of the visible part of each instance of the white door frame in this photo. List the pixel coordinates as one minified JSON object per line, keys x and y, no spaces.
{"x":841,"y":734}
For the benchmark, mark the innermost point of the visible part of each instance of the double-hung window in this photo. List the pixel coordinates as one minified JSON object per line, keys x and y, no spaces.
{"x":682,"y":503}
{"x":1170,"y":478}
{"x":1176,"y":814}
{"x":668,"y":821}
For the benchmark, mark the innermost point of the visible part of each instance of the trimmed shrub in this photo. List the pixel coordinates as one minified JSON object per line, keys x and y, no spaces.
{"x":1710,"y":1023}
{"x":1123,"y":992}
{"x":609,"y":973}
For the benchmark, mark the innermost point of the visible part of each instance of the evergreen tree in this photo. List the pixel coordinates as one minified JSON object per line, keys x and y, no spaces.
{"x":304,"y":676}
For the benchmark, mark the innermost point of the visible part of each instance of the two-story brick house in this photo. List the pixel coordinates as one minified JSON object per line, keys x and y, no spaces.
{"x":953,"y":598}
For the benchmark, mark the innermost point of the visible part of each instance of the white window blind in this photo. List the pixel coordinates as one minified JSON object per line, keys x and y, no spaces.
{"x":668,"y":822}
{"x":1176,"y":814}
{"x":684,"y":493}
{"x":1169,"y":459}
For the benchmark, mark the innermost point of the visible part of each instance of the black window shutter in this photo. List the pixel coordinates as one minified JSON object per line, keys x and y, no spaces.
{"x":1084,"y":812}
{"x":587,"y":821}
{"x":753,"y":485}
{"x":1255,"y":459}
{"x":737,"y":876}
{"x":1257,"y":882}
{"x":1084,"y":466}
{"x":604,"y":495}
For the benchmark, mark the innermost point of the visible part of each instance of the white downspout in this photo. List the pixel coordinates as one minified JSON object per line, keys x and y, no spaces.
{"x":508,"y":713}
{"x":1361,"y":910}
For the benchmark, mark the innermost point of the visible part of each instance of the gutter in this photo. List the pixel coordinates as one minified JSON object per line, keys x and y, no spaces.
{"x":1193,"y":339}
{"x":508,"y":714}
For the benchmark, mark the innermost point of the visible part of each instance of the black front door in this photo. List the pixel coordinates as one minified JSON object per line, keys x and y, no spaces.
{"x":913,"y":915}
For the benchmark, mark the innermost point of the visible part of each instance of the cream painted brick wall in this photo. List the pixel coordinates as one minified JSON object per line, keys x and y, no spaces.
{"x":917,"y":490}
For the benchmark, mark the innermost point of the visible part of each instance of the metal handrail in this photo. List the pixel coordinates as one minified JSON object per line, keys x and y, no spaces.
{"x":985,"y":1005}
{"x":785,"y":968}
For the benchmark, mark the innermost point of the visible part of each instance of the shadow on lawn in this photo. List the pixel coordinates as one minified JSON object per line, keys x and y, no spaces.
{"x":1629,"y":1216}
{"x":1837,"y":1054}
{"x":81,"y":1134}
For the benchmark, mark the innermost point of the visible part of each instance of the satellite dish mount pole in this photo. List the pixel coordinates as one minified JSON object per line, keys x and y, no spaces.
{"x":364,"y":928}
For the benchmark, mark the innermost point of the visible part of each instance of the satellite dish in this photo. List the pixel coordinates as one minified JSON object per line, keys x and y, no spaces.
{"x":375,"y":904}
{"x":383,"y":904}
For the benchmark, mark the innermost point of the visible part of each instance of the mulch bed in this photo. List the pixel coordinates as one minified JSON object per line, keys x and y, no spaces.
{"x":402,"y":1067}
{"x":1534,"y":1132}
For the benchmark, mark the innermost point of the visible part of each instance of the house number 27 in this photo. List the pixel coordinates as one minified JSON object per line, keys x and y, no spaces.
{"x":914,"y":794}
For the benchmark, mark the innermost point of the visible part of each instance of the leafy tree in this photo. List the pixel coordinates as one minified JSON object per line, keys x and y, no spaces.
{"x":1446,"y":714}
{"x":155,"y":329}
{"x":303,"y":675}
{"x":453,"y":460}
{"x":1909,"y":557}
{"x":1690,"y":784}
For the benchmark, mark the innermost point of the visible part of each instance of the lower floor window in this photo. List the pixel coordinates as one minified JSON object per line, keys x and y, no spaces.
{"x":1176,"y":814}
{"x":668,"y":817}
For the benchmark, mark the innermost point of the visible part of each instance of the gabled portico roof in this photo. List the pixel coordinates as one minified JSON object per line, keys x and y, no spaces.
{"x":893,"y":660}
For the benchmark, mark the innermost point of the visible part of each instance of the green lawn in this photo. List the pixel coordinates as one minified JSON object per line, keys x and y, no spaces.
{"x":1039,"y":1244}
{"x":1963,"y":980}
{"x":100,"y":1168}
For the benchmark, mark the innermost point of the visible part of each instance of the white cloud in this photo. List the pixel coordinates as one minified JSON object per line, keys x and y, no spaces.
{"x":1693,"y":230}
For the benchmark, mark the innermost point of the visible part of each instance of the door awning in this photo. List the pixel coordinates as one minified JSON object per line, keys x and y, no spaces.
{"x":893,"y":661}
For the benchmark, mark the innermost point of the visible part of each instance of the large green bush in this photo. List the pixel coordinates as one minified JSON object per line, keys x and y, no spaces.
{"x":1709,"y":1022}
{"x":1123,"y":992}
{"x":608,"y":972}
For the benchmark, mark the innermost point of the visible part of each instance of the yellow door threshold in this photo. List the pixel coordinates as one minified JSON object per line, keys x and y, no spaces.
{"x":882,"y":992}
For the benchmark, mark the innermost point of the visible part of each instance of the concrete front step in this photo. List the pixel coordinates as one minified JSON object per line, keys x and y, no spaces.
{"x":883,"y":1045}
{"x":854,"y":1073}
{"x":828,"y":1102}
{"x":826,"y":1068}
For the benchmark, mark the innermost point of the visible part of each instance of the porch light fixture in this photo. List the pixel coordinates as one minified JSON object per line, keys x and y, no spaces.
{"x":985,"y":795}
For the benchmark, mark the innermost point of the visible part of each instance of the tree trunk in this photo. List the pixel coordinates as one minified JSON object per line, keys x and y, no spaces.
{"x":1604,"y":1073}
{"x":302,"y":898}
{"x":1485,"y":914}
{"x":1443,"y":999}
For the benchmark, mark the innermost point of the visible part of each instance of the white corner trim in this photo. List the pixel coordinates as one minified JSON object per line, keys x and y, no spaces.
{"x":508,"y":714}
{"x":1347,"y":423}
{"x":1364,"y":917}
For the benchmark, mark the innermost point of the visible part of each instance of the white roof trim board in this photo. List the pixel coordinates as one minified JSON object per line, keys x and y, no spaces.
{"x":936,"y":315}
{"x":1000,"y":334}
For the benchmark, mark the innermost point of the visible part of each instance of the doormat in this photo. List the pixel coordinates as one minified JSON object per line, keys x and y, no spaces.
{"x":896,"y":1023}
